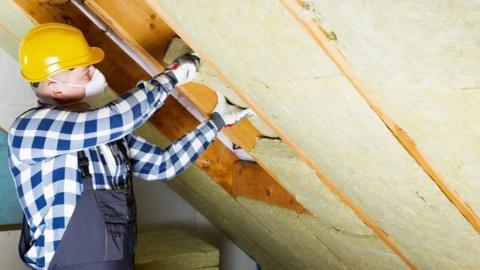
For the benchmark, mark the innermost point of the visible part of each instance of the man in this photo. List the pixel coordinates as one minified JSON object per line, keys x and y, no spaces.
{"x":73,"y":164}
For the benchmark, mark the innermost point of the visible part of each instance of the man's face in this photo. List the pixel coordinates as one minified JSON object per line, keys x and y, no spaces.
{"x":66,"y":93}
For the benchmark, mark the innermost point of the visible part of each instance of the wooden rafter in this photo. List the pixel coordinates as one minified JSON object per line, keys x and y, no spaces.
{"x":172,"y":119}
{"x":250,"y":180}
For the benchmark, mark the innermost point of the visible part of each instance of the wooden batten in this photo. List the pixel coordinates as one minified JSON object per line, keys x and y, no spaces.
{"x":320,"y":36}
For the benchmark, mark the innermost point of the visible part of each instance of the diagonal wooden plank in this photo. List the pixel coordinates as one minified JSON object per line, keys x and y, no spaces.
{"x":320,"y":36}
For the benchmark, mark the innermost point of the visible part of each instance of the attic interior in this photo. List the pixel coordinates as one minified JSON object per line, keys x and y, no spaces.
{"x":364,"y":152}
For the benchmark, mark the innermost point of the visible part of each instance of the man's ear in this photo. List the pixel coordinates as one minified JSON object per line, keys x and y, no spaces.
{"x":54,"y":90}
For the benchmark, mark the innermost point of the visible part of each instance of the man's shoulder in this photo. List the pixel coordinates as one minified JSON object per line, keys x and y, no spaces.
{"x":29,"y":112}
{"x":20,"y":123}
{"x":23,"y":115}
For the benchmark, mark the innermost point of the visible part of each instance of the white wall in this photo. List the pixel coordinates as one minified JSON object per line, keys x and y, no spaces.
{"x":9,"y":256}
{"x":14,"y":99}
{"x":15,"y":94}
{"x":158,"y":206}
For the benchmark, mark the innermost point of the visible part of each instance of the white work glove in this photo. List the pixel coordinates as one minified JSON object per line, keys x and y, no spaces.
{"x":184,"y":68}
{"x":226,"y":114}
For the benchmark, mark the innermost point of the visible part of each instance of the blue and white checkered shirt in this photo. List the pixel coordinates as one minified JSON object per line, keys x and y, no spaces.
{"x":43,"y":146}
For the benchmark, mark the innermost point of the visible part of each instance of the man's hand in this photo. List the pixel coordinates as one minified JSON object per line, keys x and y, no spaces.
{"x":184,"y":68}
{"x":226,"y":114}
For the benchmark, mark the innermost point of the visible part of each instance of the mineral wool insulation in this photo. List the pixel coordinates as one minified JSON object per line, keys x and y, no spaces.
{"x":289,"y":77}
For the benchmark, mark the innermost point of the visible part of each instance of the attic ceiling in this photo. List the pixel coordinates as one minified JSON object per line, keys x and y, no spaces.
{"x":365,"y":145}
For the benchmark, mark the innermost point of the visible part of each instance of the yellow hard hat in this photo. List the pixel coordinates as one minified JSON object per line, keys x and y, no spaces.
{"x":52,"y":47}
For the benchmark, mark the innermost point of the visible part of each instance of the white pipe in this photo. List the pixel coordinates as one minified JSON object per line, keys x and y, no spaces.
{"x":240,"y":153}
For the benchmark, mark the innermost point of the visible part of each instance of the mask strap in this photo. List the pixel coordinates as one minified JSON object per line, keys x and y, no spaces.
{"x":71,"y":84}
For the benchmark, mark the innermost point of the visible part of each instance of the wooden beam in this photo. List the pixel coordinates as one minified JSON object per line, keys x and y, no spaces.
{"x":251,"y":181}
{"x":172,"y":119}
{"x":319,"y":35}
{"x":296,"y":149}
{"x":132,"y":28}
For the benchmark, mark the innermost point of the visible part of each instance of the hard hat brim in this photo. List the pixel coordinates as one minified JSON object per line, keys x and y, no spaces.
{"x":94,"y":56}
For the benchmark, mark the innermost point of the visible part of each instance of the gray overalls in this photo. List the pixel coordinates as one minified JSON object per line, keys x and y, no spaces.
{"x":102,"y":232}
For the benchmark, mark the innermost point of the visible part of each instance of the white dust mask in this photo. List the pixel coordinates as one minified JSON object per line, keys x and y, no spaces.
{"x":94,"y":89}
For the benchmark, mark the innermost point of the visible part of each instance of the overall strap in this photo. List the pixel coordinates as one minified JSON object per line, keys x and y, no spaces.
{"x":126,"y":159}
{"x":84,"y":171}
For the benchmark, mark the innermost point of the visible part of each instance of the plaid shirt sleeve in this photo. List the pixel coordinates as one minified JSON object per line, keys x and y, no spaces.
{"x":151,"y":162}
{"x":49,"y":131}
